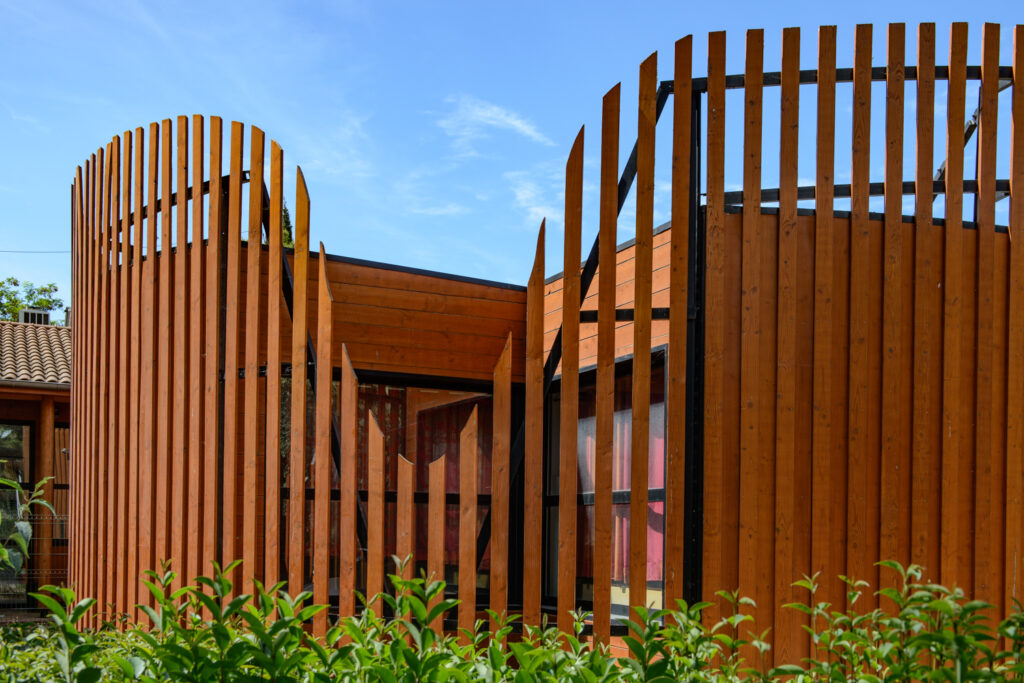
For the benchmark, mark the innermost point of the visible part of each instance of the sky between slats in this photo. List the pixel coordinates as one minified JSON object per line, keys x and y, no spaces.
{"x":432,"y":136}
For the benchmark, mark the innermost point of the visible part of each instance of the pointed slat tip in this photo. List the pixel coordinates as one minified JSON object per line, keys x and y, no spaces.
{"x":577,"y":145}
{"x":613,"y":91}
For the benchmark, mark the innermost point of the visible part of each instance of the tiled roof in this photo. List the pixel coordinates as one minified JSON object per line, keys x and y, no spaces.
{"x":35,"y":353}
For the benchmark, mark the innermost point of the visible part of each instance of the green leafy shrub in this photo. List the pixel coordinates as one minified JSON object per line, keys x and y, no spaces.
{"x":203,"y":632}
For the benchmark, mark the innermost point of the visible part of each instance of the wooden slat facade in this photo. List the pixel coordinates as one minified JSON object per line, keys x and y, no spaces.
{"x":829,"y":387}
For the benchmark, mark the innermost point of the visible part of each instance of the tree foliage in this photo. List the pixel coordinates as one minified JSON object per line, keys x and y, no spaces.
{"x":16,"y":295}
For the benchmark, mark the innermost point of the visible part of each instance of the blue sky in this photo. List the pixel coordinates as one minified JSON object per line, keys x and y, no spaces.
{"x":431,"y":134}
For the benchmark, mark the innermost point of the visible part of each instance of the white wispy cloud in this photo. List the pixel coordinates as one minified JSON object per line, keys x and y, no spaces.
{"x":472,"y":118}
{"x":449,"y":209}
{"x":534,"y":198}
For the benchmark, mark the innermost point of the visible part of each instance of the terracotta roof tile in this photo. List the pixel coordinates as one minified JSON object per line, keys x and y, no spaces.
{"x":35,"y":353}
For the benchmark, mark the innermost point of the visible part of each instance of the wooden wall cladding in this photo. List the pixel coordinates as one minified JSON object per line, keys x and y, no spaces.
{"x":862,"y":374}
{"x":183,"y":348}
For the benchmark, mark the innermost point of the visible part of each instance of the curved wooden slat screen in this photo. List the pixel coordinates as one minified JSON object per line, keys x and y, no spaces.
{"x":843,"y":383}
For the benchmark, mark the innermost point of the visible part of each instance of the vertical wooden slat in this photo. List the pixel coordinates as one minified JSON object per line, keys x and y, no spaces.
{"x":251,"y":511}
{"x":349,"y":551}
{"x":127,"y":320}
{"x":196,"y":491}
{"x":1015,"y":337}
{"x":753,"y":452}
{"x":180,"y":482}
{"x":272,"y":449}
{"x":789,"y":643}
{"x":468,"y":487}
{"x":675,"y":409}
{"x":892,"y":475}
{"x":719,"y":549}
{"x":91,"y":361}
{"x":604,"y":428}
{"x":97,"y":365}
{"x":862,"y":540}
{"x":955,"y":517}
{"x":232,"y":310}
{"x":927,"y":406}
{"x":322,"y":479}
{"x":147,"y":435}
{"x":500,"y":445}
{"x":46,"y":449}
{"x":83,"y":450}
{"x":89,"y":499}
{"x":374,"y":510}
{"x":135,"y":432}
{"x":641,"y":414}
{"x":75,"y":364}
{"x":102,"y":387}
{"x":164,"y":358}
{"x":297,"y":462}
{"x":114,"y":463}
{"x":405,"y":545}
{"x":436,"y":510}
{"x":214,"y":359}
{"x":533,"y":465}
{"x":988,"y":522}
{"x":824,"y":506}
{"x":567,"y":474}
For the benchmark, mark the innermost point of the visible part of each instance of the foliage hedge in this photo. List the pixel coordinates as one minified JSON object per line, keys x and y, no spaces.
{"x":926,"y":632}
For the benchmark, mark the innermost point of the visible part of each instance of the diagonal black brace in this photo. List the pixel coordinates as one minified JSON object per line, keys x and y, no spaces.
{"x":626,"y":181}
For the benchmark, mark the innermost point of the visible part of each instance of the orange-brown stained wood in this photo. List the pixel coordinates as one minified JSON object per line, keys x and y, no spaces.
{"x":147,"y":435}
{"x":125,"y":361}
{"x":953,"y":511}
{"x":230,"y":519}
{"x":96,"y":180}
{"x":435,"y":528}
{"x":567,"y":474}
{"x":754,"y":449}
{"x":862,"y":539}
{"x":78,"y":502}
{"x":253,"y":327}
{"x":101,"y":385}
{"x":824,"y":523}
{"x":927,"y":405}
{"x":500,"y":448}
{"x":641,"y":413}
{"x":405,"y":535}
{"x":892,"y":478}
{"x":675,"y":409}
{"x":76,"y":231}
{"x":211,"y":390}
{"x":114,"y":462}
{"x":789,"y":644}
{"x":1015,"y":338}
{"x":135,"y":342}
{"x":324,"y":424}
{"x":180,"y":481}
{"x":605,"y":389}
{"x":533,"y":465}
{"x":196,"y":372}
{"x":374,"y":509}
{"x":164,"y":357}
{"x":719,"y":538}
{"x":349,"y":550}
{"x":468,"y":488}
{"x":297,"y":457}
{"x":273,"y":483}
{"x":988,"y":520}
